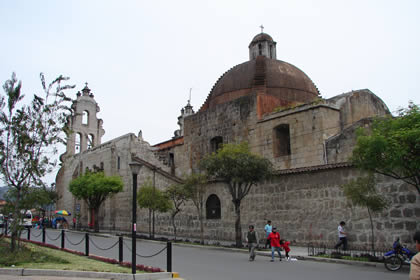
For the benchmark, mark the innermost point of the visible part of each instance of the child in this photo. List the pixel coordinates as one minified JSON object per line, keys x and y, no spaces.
{"x":285,"y":245}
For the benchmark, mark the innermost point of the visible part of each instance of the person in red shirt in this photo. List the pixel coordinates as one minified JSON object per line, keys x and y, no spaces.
{"x":274,"y":238}
{"x":285,"y":244}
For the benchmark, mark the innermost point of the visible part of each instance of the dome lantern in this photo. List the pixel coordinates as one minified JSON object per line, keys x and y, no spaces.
{"x":262,"y":44}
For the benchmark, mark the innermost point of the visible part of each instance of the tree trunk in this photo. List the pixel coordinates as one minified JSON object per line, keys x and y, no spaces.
{"x":153,"y":224}
{"x":373,"y":236}
{"x":238,"y":228}
{"x":201,"y":226}
{"x":150,"y":223}
{"x":96,"y":220}
{"x":173,"y":225}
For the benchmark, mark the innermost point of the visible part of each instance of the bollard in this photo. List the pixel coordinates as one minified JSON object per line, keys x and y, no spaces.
{"x":120,"y":249}
{"x":29,"y":233}
{"x":87,"y":244}
{"x":62,"y":239}
{"x":43,"y":235}
{"x":169,"y":256}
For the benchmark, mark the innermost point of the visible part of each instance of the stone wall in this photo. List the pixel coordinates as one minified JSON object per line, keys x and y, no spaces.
{"x":305,"y":207}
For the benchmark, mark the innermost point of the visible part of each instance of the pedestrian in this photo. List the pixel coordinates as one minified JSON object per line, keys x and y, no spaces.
{"x":74,"y":223}
{"x":285,"y":245}
{"x":342,"y":236}
{"x":268,"y":228}
{"x":252,"y":240}
{"x":415,"y":261}
{"x":274,"y":238}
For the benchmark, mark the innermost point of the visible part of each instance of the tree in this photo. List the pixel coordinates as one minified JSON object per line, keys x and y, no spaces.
{"x":362,"y":192}
{"x":29,"y":134}
{"x":392,"y":146}
{"x":195,"y":187}
{"x":34,"y":198}
{"x":152,"y":199}
{"x":235,"y":165}
{"x":94,"y":188}
{"x":177,"y":194}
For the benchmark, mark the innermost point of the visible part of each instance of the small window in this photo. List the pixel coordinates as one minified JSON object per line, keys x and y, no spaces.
{"x":118,"y":163}
{"x":77,"y":143}
{"x":259,"y":49}
{"x":90,"y":141}
{"x":216,"y":143}
{"x":172,"y":163}
{"x":281,"y":140}
{"x":213,"y":207}
{"x":85,"y":118}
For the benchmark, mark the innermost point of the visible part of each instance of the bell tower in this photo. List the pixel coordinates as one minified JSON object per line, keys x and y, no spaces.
{"x":85,"y":128}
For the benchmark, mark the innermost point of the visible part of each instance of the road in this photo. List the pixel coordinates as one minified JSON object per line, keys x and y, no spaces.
{"x":194,"y":263}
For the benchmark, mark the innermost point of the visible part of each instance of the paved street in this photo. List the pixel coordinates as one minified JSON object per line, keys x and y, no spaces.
{"x":195,"y":263}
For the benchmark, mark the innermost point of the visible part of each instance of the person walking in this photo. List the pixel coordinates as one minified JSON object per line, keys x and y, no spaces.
{"x":342,"y":236}
{"x":285,"y":245}
{"x":252,"y":240}
{"x":415,"y":261}
{"x":274,"y":238}
{"x":268,"y":229}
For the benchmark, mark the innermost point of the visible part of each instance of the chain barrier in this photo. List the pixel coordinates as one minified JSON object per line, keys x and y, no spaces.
{"x":52,"y":239}
{"x":34,"y":235}
{"x":99,"y":248}
{"x":74,"y":244}
{"x":151,"y":256}
{"x":129,"y":249}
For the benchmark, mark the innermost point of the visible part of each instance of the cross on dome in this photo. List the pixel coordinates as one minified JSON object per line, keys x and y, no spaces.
{"x":262,"y":28}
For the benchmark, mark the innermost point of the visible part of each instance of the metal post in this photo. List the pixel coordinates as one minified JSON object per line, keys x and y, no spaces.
{"x":43,"y":235}
{"x":62,"y":238}
{"x":133,"y":238}
{"x":169,"y":256}
{"x":120,"y":249}
{"x":87,"y":244}
{"x":135,"y":168}
{"x":29,"y":233}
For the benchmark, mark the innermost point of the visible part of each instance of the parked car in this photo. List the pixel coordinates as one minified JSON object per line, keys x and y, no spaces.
{"x":1,"y":220}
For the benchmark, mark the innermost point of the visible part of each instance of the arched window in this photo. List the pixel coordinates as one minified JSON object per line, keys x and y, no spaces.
{"x":216,"y":143}
{"x":281,"y":140}
{"x":259,"y":49}
{"x":90,"y":141}
{"x":213,"y":207}
{"x":78,"y":143}
{"x":85,"y":118}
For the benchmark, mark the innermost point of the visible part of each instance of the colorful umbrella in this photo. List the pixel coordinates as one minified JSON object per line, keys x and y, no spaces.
{"x":62,"y":212}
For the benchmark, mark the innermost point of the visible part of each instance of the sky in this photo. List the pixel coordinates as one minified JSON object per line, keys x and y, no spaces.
{"x":141,"y":58}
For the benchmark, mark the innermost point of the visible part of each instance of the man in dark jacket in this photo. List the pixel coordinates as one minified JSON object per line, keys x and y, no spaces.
{"x":253,"y":241}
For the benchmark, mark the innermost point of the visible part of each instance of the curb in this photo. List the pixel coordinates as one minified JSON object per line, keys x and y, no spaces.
{"x":85,"y":274}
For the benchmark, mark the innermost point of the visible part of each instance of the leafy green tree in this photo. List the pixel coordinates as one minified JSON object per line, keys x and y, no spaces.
{"x":94,"y":188}
{"x":392,"y":146}
{"x":152,"y":199}
{"x":195,"y":187}
{"x":34,"y":198}
{"x":235,"y":165}
{"x":177,"y":195}
{"x":362,"y":192}
{"x":29,"y":133}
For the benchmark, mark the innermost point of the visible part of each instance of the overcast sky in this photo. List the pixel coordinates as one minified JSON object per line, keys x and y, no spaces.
{"x":140,"y":58}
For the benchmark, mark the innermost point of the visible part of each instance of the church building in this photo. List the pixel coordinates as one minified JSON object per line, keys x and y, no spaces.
{"x":278,"y":110}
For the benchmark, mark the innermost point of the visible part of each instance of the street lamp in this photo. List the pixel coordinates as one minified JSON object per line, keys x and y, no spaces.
{"x":135,"y":168}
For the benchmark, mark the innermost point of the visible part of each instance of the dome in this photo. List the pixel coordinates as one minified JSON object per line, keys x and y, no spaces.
{"x":282,"y":81}
{"x":260,"y":38}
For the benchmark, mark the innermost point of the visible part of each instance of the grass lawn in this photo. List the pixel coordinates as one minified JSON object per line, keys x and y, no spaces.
{"x":38,"y":257}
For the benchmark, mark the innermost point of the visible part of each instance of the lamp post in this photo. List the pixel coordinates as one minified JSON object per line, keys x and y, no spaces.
{"x":135,"y":168}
